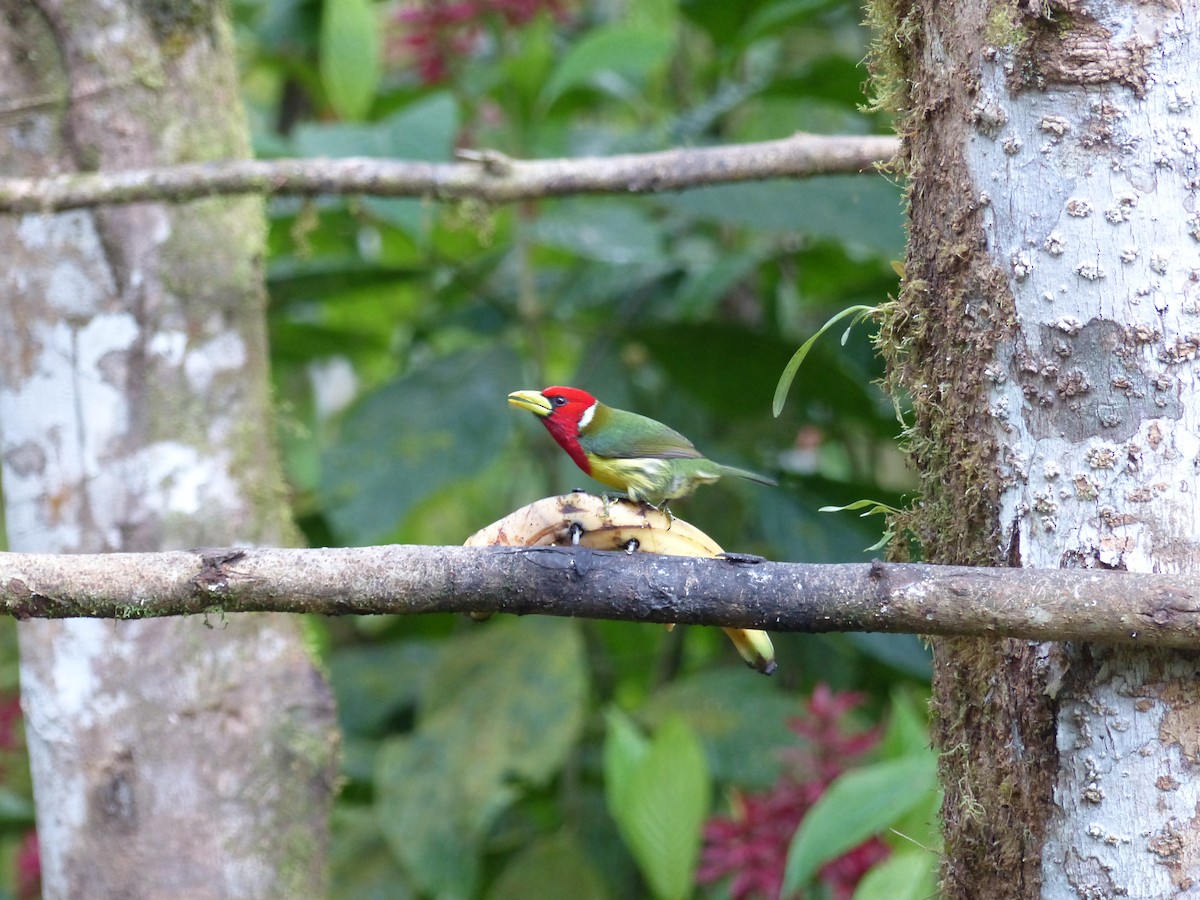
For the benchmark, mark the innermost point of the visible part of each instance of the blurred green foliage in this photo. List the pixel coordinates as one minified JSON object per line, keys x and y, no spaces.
{"x":483,"y":760}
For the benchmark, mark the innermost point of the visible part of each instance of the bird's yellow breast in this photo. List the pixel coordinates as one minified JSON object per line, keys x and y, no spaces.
{"x":652,"y":480}
{"x":639,"y":478}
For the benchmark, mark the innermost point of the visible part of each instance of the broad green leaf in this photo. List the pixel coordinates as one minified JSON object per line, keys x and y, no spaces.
{"x":551,"y":868}
{"x":860,"y":211}
{"x":741,"y":720}
{"x":859,"y":804}
{"x":604,"y":230}
{"x":503,"y":707}
{"x":681,"y":346}
{"x":775,"y":17}
{"x":799,"y":532}
{"x":660,"y":806}
{"x":719,"y":18}
{"x":631,"y":52}
{"x":708,"y":283}
{"x":624,"y":749}
{"x":423,"y":130}
{"x":525,"y":70}
{"x":911,"y":875}
{"x":903,"y":652}
{"x":15,"y":809}
{"x":415,"y":435}
{"x":907,"y":732}
{"x":349,"y":54}
{"x":360,"y":866}
{"x":374,"y":682}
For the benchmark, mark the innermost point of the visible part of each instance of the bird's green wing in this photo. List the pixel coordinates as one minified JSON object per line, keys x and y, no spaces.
{"x":617,"y":434}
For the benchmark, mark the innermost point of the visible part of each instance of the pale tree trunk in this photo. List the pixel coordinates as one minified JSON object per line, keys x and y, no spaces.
{"x":190,"y":757}
{"x":1048,"y":332}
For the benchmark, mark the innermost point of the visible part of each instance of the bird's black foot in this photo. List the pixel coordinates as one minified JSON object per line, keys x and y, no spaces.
{"x":575,"y":532}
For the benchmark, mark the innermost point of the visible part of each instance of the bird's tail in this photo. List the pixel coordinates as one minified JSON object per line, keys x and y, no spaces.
{"x":748,"y":475}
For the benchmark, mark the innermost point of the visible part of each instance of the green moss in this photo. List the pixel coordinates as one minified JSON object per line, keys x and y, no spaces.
{"x":894,"y":26}
{"x":309,"y":760}
{"x":172,"y":20}
{"x":937,"y":337}
{"x":1005,"y":27}
{"x":936,"y":352}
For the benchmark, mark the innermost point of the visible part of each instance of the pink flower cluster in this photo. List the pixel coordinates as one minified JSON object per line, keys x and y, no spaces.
{"x":28,"y":866}
{"x":751,"y":845}
{"x":434,"y":33}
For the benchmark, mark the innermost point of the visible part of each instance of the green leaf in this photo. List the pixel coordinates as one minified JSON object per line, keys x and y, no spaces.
{"x":719,"y":18}
{"x":607,"y":231}
{"x":778,"y":16}
{"x":624,"y":749}
{"x":911,"y":875}
{"x":905,"y":653}
{"x":551,"y":868}
{"x":629,"y":52}
{"x":375,"y":682}
{"x":678,"y":346}
{"x":793,"y":366}
{"x":859,"y":804}
{"x":860,"y":211}
{"x":907,"y":732}
{"x":659,"y":802}
{"x":413,"y":436}
{"x":349,"y":56}
{"x":423,"y":130}
{"x":741,"y":720}
{"x":872,"y":507}
{"x":360,"y":866}
{"x":503,"y":707}
{"x":15,"y":809}
{"x":709,"y":282}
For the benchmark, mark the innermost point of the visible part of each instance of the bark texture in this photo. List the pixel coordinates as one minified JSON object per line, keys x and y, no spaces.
{"x":490,"y":176}
{"x":1048,"y":333}
{"x":739,"y":592}
{"x":170,"y":758}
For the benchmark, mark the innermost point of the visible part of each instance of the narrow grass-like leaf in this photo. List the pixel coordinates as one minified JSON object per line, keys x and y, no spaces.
{"x":789,"y":372}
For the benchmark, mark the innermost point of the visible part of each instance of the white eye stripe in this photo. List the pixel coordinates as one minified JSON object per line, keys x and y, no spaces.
{"x":586,"y":418}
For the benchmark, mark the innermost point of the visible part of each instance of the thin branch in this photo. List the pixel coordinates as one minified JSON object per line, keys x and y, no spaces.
{"x":1084,"y":605}
{"x":489,"y":176}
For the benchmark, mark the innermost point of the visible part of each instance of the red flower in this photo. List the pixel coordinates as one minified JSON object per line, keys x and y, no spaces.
{"x":10,"y":716}
{"x":751,"y":844}
{"x":433,"y":34}
{"x":29,"y":869}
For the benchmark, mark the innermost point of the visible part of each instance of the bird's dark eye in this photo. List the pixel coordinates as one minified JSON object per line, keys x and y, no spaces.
{"x":559,"y":400}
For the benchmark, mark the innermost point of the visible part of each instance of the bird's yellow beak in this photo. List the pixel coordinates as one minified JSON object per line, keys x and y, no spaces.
{"x":532,"y":401}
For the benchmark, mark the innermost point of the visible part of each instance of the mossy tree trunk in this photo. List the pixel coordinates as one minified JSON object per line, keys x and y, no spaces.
{"x":1048,"y":332}
{"x":189,"y":757}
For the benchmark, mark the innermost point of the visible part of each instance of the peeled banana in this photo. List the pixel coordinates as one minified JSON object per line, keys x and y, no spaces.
{"x":590,"y":521}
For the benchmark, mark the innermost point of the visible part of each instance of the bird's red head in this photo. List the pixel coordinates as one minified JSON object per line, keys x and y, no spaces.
{"x":564,"y":411}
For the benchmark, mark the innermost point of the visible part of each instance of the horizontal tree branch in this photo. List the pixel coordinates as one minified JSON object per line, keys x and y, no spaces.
{"x":489,"y":176}
{"x":741,"y":592}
